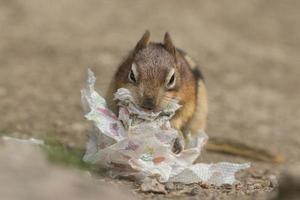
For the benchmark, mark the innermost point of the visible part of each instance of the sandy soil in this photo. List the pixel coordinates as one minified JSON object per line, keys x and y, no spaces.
{"x":249,"y":52}
{"x":45,"y":181}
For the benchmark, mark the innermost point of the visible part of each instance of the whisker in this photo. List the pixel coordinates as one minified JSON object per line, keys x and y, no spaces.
{"x":168,"y":97}
{"x":174,"y":100}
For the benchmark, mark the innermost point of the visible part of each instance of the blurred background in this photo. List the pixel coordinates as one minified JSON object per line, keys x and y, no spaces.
{"x":248,"y":51}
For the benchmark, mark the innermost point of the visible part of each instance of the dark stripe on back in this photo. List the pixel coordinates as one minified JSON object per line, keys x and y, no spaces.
{"x":193,"y":66}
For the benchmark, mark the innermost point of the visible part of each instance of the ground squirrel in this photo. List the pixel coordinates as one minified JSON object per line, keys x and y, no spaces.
{"x":156,"y":73}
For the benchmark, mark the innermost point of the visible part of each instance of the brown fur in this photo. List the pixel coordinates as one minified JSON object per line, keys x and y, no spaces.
{"x":154,"y":61}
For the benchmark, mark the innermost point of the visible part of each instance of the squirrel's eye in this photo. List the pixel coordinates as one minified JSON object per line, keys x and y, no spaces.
{"x":131,"y":77}
{"x":171,"y":81}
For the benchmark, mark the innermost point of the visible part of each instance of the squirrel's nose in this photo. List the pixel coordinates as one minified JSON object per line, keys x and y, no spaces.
{"x":148,"y":103}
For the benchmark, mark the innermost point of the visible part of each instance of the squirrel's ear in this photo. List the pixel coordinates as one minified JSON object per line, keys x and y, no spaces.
{"x":169,"y":44}
{"x":144,"y":41}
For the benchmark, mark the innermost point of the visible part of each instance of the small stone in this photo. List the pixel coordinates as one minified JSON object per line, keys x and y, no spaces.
{"x":273,"y":181}
{"x":170,"y":186}
{"x":151,"y":184}
{"x":238,"y":186}
{"x":204,"y":185}
{"x":251,"y":187}
{"x":257,"y":186}
{"x":179,"y":186}
{"x":248,"y":192}
{"x":227,"y":186}
{"x":193,"y":192}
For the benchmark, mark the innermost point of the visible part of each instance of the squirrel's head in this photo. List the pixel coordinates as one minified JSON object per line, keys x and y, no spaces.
{"x":151,"y":73}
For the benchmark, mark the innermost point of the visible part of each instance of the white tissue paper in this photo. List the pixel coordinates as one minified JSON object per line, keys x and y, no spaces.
{"x":139,"y":144}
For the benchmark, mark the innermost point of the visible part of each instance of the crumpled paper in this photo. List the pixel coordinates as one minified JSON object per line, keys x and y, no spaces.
{"x":139,"y":143}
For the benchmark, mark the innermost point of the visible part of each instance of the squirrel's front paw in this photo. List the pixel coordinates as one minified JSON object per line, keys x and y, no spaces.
{"x":178,"y":146}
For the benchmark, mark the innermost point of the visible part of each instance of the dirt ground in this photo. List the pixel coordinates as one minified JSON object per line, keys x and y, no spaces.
{"x":46,"y":181}
{"x":248,"y":50}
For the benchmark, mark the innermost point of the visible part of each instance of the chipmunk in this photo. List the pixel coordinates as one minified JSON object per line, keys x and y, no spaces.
{"x":156,"y":73}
